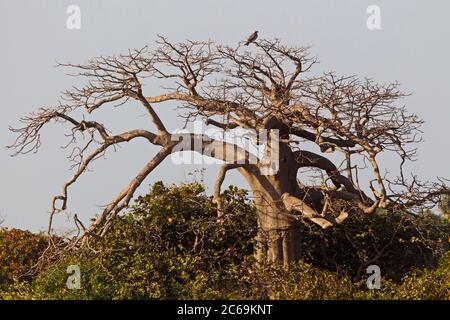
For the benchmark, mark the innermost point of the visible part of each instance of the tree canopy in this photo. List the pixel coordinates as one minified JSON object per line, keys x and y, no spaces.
{"x":265,"y":86}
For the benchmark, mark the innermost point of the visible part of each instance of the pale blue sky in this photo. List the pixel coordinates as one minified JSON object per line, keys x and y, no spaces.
{"x":412,"y":47}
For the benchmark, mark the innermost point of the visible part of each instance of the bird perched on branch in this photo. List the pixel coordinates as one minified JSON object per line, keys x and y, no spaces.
{"x":326,"y":147}
{"x":252,"y":38}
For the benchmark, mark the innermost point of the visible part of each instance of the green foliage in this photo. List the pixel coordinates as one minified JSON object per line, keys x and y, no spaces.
{"x":170,"y":245}
{"x":396,"y":242}
{"x":302,"y":281}
{"x":427,"y":283}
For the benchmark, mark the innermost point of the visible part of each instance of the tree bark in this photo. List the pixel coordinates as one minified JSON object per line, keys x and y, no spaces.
{"x":278,"y":238}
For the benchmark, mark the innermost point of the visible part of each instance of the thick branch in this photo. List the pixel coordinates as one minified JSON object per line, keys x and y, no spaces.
{"x":293,"y":203}
{"x":309,"y":159}
{"x":313,"y":137}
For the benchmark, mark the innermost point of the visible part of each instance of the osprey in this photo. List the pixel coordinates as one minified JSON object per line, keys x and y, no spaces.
{"x":252,"y":38}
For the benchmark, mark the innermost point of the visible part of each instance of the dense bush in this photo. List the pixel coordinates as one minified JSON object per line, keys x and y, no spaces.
{"x":303,"y":281}
{"x":171,"y":246}
{"x":19,"y":251}
{"x":428,"y":283}
{"x":396,"y":242}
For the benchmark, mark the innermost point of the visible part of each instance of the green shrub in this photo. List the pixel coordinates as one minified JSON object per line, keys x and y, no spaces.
{"x":396,"y":242}
{"x":427,"y":283}
{"x":169,"y":245}
{"x":302,"y":281}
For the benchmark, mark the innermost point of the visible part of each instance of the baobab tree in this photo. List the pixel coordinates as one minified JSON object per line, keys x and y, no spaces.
{"x":267,"y":86}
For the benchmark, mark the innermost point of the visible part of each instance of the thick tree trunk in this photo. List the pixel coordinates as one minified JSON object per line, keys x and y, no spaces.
{"x":278,"y":238}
